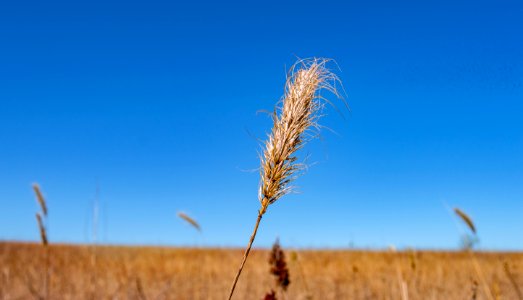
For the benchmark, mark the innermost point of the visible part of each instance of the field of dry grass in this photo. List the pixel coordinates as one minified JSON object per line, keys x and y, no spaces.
{"x":83,"y":272}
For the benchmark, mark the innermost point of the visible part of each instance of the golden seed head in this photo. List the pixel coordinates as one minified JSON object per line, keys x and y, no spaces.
{"x":297,"y":114}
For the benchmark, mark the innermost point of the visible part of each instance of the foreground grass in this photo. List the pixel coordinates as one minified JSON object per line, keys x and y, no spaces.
{"x":81,"y":272}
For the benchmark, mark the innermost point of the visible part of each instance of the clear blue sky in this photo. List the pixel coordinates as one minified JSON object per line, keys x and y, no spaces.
{"x":156,"y":102}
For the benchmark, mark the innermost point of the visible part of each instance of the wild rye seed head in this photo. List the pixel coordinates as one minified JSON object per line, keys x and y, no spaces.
{"x":297,"y":114}
{"x":466,"y":218}
{"x":189,"y":220}
{"x":294,"y":119}
{"x":40,"y":198}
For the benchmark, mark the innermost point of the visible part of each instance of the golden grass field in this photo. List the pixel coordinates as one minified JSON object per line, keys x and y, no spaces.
{"x":107,"y":272}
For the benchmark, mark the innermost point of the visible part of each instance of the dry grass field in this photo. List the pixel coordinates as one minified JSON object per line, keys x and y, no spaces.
{"x":52,"y":271}
{"x":84,"y":272}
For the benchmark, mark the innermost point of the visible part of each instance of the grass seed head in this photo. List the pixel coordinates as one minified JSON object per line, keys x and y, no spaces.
{"x":190,"y":220}
{"x":270,"y":296}
{"x":40,"y":198}
{"x":294,"y":119}
{"x":279,"y":266}
{"x":468,"y":220}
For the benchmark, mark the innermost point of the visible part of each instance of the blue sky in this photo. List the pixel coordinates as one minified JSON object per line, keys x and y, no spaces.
{"x":155,"y":103}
